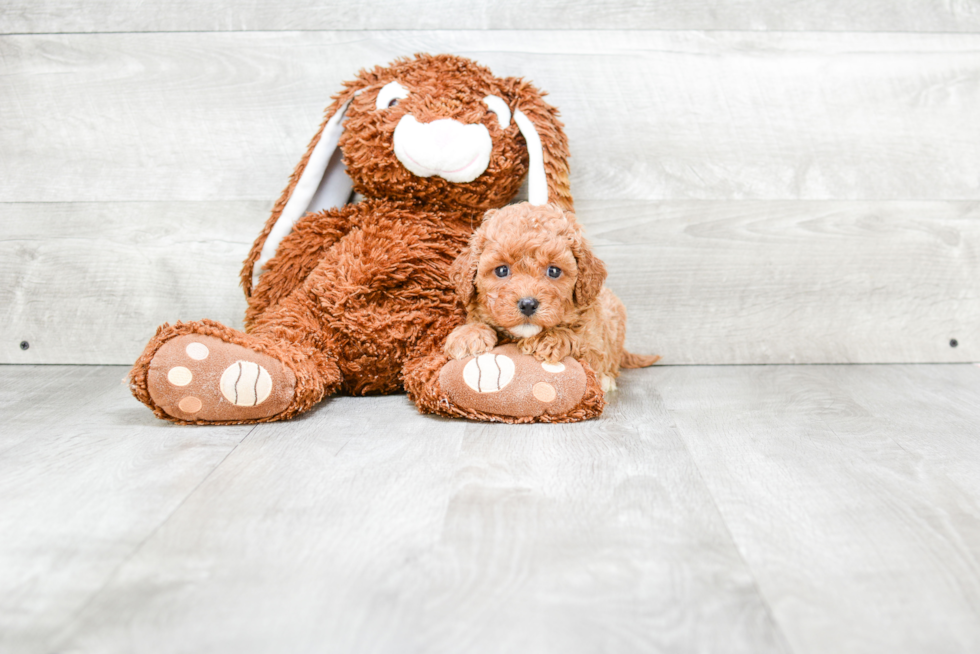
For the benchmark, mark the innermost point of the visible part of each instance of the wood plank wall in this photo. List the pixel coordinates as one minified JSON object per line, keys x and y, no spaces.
{"x":767,"y":183}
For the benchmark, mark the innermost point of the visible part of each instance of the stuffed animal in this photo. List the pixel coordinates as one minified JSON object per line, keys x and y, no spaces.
{"x":358,"y":297}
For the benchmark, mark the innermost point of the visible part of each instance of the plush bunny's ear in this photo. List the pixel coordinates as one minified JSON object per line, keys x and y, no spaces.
{"x":547,"y":146}
{"x":319,"y":182}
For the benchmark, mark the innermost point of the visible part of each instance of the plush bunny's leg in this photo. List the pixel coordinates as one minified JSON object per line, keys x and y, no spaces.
{"x":504,"y":386}
{"x":206,"y":373}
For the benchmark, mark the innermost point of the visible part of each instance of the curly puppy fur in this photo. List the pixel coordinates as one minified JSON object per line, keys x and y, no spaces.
{"x":528,"y":275}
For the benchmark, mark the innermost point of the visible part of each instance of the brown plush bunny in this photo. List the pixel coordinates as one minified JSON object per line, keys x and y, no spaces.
{"x":358,"y":297}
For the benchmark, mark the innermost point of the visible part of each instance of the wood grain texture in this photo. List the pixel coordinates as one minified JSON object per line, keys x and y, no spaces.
{"x":794,"y":282}
{"x":703,"y":282}
{"x":90,"y":282}
{"x":650,"y":115}
{"x":184,"y":15}
{"x":26,"y":393}
{"x":339,"y":532}
{"x":931,"y":412}
{"x":81,"y":488}
{"x":858,"y":543}
{"x":712,"y":509}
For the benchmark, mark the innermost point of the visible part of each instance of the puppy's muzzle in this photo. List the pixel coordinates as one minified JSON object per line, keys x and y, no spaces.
{"x":528,"y":306}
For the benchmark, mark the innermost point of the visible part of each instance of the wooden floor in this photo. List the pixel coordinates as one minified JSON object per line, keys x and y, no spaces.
{"x":713,"y":509}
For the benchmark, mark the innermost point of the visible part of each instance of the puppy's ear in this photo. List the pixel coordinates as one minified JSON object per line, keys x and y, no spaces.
{"x":591,"y":273}
{"x":547,"y":146}
{"x":463,"y":271}
{"x":320,"y":181}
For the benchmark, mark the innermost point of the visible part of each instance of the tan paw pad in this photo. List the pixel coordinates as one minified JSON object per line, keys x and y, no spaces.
{"x":204,"y":379}
{"x":190,"y":404}
{"x":544,"y":392}
{"x":197,"y":351}
{"x":244,"y":383}
{"x":507,"y":383}
{"x":180,"y":376}
{"x":488,"y":373}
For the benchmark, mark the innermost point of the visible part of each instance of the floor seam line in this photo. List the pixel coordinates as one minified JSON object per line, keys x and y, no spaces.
{"x":724,"y":521}
{"x":112,"y":575}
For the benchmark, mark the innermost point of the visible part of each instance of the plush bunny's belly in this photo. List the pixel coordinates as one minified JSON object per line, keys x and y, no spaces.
{"x":383,"y":295}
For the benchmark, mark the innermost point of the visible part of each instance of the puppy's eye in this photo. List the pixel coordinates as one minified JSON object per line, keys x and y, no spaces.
{"x":554,"y":272}
{"x":390,"y":94}
{"x":501,"y":271}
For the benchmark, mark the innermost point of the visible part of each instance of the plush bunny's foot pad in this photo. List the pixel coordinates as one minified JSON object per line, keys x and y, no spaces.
{"x":518,"y":388}
{"x":197,"y":378}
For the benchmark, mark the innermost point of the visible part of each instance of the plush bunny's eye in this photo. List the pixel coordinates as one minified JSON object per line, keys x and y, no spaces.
{"x":501,"y":271}
{"x":554,"y":272}
{"x":499,"y":107}
{"x":390,"y":94}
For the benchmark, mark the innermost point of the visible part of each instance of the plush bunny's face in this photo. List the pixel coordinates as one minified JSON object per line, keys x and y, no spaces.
{"x":437,"y":129}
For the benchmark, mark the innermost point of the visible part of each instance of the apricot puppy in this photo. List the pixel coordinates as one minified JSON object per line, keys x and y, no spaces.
{"x":529,"y":276}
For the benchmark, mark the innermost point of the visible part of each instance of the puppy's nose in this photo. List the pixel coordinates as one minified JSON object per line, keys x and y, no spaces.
{"x":528,"y":306}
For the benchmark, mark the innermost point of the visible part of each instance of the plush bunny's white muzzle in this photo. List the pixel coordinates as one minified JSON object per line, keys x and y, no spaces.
{"x":456,"y":152}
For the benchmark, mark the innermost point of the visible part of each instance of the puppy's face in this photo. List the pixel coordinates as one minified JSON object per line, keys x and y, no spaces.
{"x":530,"y":270}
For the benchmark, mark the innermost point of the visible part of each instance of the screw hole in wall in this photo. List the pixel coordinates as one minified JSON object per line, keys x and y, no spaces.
{"x":953,"y":342}
{"x":24,"y":345}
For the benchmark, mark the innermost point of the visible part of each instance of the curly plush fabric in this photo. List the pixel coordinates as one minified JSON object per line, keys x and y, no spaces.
{"x":358,"y":298}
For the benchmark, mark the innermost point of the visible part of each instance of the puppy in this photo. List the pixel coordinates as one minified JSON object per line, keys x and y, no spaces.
{"x":528,"y":275}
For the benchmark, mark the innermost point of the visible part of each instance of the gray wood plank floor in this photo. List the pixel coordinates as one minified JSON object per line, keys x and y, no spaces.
{"x":712,"y":509}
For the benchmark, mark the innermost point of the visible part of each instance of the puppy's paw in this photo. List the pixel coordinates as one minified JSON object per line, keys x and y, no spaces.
{"x":470,"y":340}
{"x":550,"y":346}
